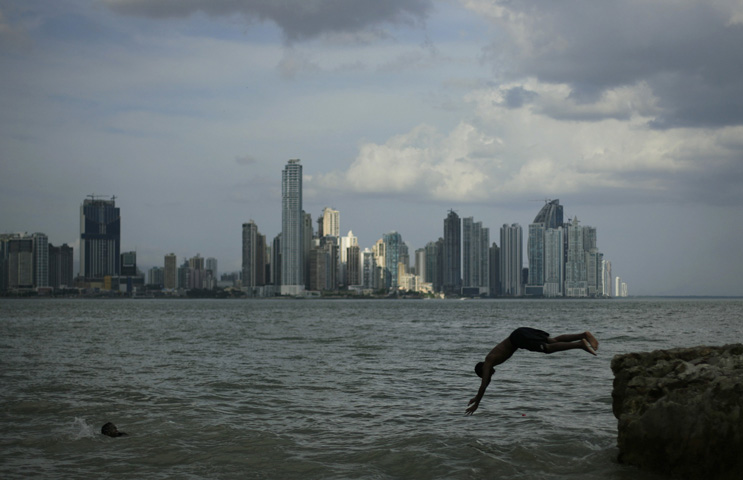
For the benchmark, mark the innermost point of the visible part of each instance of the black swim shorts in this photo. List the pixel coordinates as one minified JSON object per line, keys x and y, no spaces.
{"x":529,"y":339}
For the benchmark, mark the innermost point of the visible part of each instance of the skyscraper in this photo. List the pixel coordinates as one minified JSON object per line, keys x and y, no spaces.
{"x":420,"y":263}
{"x":41,"y":260}
{"x":170,"y":273}
{"x":346,"y":265}
{"x":60,"y":266}
{"x":128,"y":266}
{"x":100,"y":238}
{"x":475,"y":258}
{"x":331,"y":222}
{"x":494,"y":253}
{"x":353,"y":265}
{"x":511,"y":259}
{"x":368,"y":269}
{"x":536,"y":255}
{"x":452,"y":253}
{"x":20,"y":261}
{"x":554,"y":262}
{"x":292,"y":223}
{"x":393,"y":247}
{"x":307,"y":237}
{"x":606,"y":277}
{"x":576,"y":280}
{"x":433,"y":269}
{"x":550,"y":215}
{"x":254,"y":256}
{"x":211,"y":266}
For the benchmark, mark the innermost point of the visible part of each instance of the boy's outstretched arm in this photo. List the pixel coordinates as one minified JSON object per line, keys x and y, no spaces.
{"x":487,"y":373}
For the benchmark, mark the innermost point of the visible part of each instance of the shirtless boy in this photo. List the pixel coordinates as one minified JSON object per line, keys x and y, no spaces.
{"x":528,"y":339}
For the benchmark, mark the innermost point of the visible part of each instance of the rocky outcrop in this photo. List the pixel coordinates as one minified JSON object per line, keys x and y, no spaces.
{"x":680,"y":411}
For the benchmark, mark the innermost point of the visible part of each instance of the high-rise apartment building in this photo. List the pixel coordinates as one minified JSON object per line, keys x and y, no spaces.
{"x":20,"y":262}
{"x":253,"y":256}
{"x":100,"y":238}
{"x":170,"y":272}
{"x":433,"y":264}
{"x":535,"y":252}
{"x":368,"y":270}
{"x":128,"y":266}
{"x":494,"y":253}
{"x":554,"y":262}
{"x":276,"y":261}
{"x":420,"y":263}
{"x":324,"y":264}
{"x":511,"y":260}
{"x":41,"y":260}
{"x":292,"y":225}
{"x":308,"y":236}
{"x":211,"y":266}
{"x":475,"y":257}
{"x":452,"y":253}
{"x":60,"y":266}
{"x":550,"y":217}
{"x":380,"y":266}
{"x":156,"y":276}
{"x":348,"y":242}
{"x":393,"y":247}
{"x":353,"y":265}
{"x":606,"y":278}
{"x":576,"y":274}
{"x":331,"y":222}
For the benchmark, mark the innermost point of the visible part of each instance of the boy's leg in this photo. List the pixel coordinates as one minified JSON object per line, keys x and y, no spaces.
{"x":562,"y":346}
{"x":574,"y":337}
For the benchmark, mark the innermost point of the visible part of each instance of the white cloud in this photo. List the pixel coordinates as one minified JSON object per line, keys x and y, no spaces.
{"x":525,"y":152}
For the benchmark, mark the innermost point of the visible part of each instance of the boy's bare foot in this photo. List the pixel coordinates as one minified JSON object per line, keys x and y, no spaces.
{"x":587,"y":347}
{"x":592,"y":340}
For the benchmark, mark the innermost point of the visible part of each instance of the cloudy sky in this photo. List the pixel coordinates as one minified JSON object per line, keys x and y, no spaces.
{"x":630,"y":112}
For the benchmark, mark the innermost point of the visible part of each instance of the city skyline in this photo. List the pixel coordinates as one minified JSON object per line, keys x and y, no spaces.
{"x":462,"y":261}
{"x":187,"y":111}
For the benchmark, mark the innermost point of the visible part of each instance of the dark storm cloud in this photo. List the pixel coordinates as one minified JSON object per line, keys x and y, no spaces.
{"x":689,"y":53}
{"x":516,"y":97}
{"x":299,"y":19}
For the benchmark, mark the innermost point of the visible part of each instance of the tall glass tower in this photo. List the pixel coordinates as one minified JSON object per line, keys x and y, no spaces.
{"x":511,"y":259}
{"x":475,"y":256}
{"x":292,"y":222}
{"x":549,"y":218}
{"x":393,"y":249}
{"x":100,"y":238}
{"x":452,"y":253}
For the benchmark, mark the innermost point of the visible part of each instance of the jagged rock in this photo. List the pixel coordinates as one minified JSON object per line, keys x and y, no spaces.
{"x":680,"y":411}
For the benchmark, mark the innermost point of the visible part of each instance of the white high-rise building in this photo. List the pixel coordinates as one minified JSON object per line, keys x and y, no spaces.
{"x":292,"y":223}
{"x":331,"y":222}
{"x":606,"y":275}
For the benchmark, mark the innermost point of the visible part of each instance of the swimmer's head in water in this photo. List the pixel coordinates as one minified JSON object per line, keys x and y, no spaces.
{"x":478,"y":369}
{"x":111,"y":430}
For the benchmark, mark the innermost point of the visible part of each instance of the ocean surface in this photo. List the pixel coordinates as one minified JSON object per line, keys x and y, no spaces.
{"x":329,"y":389}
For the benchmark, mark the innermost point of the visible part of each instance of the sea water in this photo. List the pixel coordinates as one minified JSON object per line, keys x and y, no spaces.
{"x":295,"y":389}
